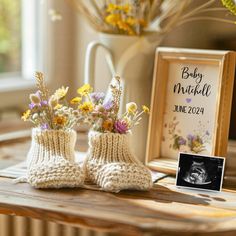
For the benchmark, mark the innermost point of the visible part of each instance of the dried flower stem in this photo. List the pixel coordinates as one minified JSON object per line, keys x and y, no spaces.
{"x":80,"y":7}
{"x":176,"y":17}
{"x":155,"y":9}
{"x":98,"y":11}
{"x":40,"y":83}
{"x":143,"y":15}
{"x":205,"y":18}
{"x":213,"y":9}
{"x":198,"y":9}
{"x":44,"y":93}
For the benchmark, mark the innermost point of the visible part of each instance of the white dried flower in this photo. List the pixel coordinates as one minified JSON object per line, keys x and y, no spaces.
{"x":64,"y":109}
{"x":75,"y":112}
{"x":53,"y":101}
{"x":34,"y":99}
{"x":99,"y":122}
{"x":100,"y":108}
{"x":131,"y":107}
{"x":35,"y":116}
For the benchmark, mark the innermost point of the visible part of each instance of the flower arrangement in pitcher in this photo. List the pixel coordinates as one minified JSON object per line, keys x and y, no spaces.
{"x":102,"y":112}
{"x":134,"y":17}
{"x":50,"y":112}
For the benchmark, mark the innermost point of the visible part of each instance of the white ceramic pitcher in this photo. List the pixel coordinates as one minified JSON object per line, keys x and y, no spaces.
{"x":132,"y":58}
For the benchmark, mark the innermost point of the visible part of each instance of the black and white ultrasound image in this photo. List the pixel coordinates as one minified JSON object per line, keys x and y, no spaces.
{"x":200,"y":172}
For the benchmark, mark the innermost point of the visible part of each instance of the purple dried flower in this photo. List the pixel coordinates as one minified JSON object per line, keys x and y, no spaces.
{"x":190,"y":137}
{"x":38,"y":94}
{"x":108,"y":105}
{"x":96,"y":97}
{"x":32,"y":106}
{"x":44,"y":126}
{"x":121,"y":126}
{"x":181,"y":141}
{"x":44,"y":103}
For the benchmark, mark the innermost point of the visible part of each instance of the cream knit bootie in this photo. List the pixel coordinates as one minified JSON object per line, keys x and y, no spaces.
{"x":50,"y":161}
{"x":111,"y":165}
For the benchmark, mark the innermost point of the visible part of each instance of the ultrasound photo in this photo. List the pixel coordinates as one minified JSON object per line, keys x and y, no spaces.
{"x":201,"y":172}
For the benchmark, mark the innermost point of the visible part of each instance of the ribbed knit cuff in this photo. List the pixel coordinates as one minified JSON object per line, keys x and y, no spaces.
{"x":110,"y":147}
{"x":49,"y":144}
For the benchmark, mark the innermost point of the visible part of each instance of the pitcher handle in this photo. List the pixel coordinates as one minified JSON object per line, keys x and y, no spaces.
{"x":90,"y":61}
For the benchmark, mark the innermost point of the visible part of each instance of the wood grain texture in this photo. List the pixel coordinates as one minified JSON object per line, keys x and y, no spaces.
{"x":164,"y":209}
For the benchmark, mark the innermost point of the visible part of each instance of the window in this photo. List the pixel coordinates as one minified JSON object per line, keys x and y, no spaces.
{"x":22,"y":34}
{"x":10,"y":36}
{"x":45,"y":46}
{"x":21,"y":38}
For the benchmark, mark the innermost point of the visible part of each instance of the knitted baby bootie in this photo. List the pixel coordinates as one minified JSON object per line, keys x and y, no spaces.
{"x":111,"y":165}
{"x":51,"y":160}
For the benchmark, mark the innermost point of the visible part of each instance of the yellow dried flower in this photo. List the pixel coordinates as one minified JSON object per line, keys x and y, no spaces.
{"x":107,"y":125}
{"x":131,"y":21}
{"x":58,"y":106}
{"x":131,"y":107}
{"x":76,"y":100}
{"x":26,"y":115}
{"x":111,"y":7}
{"x":59,"y":120}
{"x":84,"y":90}
{"x":126,"y":8}
{"x":61,"y":92}
{"x":86,"y":107}
{"x":124,"y":26}
{"x":146,"y":109}
{"x":143,"y":23}
{"x":113,"y":19}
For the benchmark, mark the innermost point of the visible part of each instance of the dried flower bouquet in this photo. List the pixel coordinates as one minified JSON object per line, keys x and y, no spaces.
{"x":135,"y":17}
{"x":51,"y":112}
{"x":102,"y":112}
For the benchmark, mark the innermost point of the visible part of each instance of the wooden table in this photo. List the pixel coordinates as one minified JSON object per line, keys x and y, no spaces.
{"x":165,"y":210}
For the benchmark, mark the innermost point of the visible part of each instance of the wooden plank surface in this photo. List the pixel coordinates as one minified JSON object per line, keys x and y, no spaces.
{"x":165,"y":210}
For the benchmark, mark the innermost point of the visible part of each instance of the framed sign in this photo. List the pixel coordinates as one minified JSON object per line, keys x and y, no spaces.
{"x":190,"y":105}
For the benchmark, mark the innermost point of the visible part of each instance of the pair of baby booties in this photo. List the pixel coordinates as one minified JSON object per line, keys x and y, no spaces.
{"x":109,"y":162}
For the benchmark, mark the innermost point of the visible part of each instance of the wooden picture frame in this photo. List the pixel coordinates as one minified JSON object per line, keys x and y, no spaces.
{"x":173,"y":128}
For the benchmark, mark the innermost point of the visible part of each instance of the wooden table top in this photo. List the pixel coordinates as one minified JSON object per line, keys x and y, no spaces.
{"x":165,"y":210}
